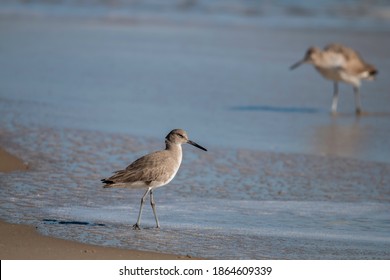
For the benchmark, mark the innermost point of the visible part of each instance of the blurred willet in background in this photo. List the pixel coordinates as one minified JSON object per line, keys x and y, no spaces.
{"x":339,"y":63}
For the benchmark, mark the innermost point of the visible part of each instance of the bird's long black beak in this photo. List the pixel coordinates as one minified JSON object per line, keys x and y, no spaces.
{"x":297,"y":64}
{"x":196,"y":145}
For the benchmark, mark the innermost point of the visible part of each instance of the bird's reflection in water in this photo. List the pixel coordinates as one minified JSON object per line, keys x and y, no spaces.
{"x":339,"y":138}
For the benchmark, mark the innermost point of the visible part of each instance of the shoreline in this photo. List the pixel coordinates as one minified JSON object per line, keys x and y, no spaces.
{"x":10,"y":163}
{"x":23,"y":242}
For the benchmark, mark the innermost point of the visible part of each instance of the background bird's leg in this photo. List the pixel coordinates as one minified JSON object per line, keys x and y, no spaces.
{"x":153,"y":204}
{"x":136,"y":226}
{"x":335,"y":97}
{"x":357,"y":100}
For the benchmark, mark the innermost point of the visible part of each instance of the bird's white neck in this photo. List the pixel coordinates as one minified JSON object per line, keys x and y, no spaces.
{"x":173,"y":147}
{"x":176,"y":150}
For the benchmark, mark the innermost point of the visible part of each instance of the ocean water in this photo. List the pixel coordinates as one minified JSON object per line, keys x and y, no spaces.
{"x":82,"y":96}
{"x":301,"y":13}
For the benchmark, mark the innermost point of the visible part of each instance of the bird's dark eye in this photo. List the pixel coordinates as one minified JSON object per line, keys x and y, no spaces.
{"x":180,"y":135}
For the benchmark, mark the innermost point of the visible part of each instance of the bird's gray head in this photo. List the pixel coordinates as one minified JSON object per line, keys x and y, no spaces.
{"x":311,"y":56}
{"x":179,"y":136}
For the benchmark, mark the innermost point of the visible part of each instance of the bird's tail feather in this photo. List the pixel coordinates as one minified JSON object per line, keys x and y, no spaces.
{"x":108,"y":183}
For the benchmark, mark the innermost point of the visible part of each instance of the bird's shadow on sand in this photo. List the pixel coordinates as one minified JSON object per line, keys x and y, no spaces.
{"x":84,"y":223}
{"x":80,"y":223}
{"x":277,"y":109}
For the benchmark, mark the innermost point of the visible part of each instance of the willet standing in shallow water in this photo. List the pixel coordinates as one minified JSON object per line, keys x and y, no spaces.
{"x":153,"y":170}
{"x":340,"y":64}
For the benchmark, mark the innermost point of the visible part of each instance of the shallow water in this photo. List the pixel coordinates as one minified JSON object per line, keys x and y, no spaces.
{"x":282,"y":178}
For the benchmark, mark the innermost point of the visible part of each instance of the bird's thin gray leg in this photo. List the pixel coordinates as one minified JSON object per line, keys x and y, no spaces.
{"x":357,"y":100}
{"x":137,"y":225}
{"x":335,"y":97}
{"x":153,"y":204}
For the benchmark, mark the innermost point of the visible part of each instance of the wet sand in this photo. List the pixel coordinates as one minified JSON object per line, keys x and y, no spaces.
{"x":9,"y":163}
{"x":22,"y":242}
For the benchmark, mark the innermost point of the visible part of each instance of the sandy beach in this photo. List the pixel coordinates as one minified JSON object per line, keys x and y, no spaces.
{"x":9,"y":163}
{"x":22,"y":242}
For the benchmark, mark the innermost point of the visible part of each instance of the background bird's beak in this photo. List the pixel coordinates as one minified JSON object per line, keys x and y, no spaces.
{"x":297,"y":64}
{"x":196,"y":145}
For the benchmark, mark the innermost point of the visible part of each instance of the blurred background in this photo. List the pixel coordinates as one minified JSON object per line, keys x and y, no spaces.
{"x":271,"y":13}
{"x":88,"y":86}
